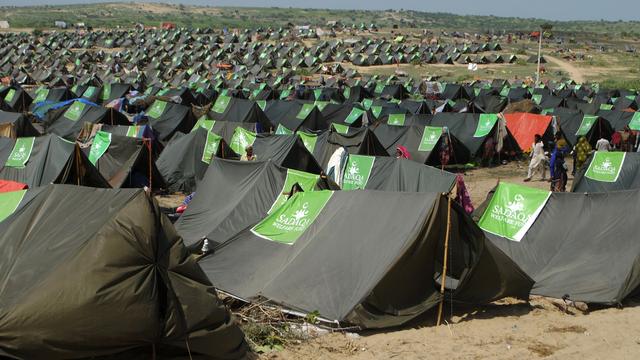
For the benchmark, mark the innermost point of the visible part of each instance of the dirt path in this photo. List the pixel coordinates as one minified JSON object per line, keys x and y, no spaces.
{"x":575,"y":73}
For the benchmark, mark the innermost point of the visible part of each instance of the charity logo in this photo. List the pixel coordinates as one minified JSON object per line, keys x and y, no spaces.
{"x":513,"y":213}
{"x":353,"y":174}
{"x":298,"y":221}
{"x":606,"y":167}
{"x":20,"y":153}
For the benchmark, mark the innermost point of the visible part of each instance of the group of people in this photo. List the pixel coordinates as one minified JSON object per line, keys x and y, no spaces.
{"x":556,"y":163}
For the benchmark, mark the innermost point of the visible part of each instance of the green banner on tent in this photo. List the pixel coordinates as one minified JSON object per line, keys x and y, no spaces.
{"x":376,"y":110}
{"x":353,"y":115}
{"x":163,"y":92}
{"x":106,"y":92}
{"x":367,"y":103}
{"x":586,"y":124}
{"x":285,"y":94}
{"x":74,"y":112}
{"x":605,"y":166}
{"x":10,"y":95}
{"x":100,"y":145}
{"x":634,"y":124}
{"x":379,"y":88}
{"x":505,"y":91}
{"x":9,"y":202}
{"x":288,"y":222}
{"x":321,"y":104}
{"x":547,"y":111}
{"x":512,"y":210}
{"x":317,"y":93}
{"x":205,"y":123}
{"x":41,"y":95}
{"x":537,"y":99}
{"x":261,"y":104}
{"x":486,"y":122}
{"x":430,"y":137}
{"x":281,"y":130}
{"x":89,"y":92}
{"x":211,"y":147}
{"x":396,"y":119}
{"x":606,"y":106}
{"x":21,"y":152}
{"x":309,"y":140}
{"x":157,"y":109}
{"x":342,"y":129}
{"x":241,"y":139}
{"x":346,"y":92}
{"x":306,"y":181}
{"x":357,"y":172}
{"x":221,"y":104}
{"x":305,"y":110}
{"x":132,"y":131}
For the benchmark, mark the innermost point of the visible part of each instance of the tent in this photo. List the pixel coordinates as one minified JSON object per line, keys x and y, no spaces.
{"x":15,"y":125}
{"x":608,"y":171}
{"x":359,"y":141}
{"x":185,"y":159}
{"x":126,"y":162}
{"x":47,"y":159}
{"x":68,"y":121}
{"x":140,"y":292}
{"x":586,"y":261}
{"x":167,"y":118}
{"x":236,"y":194}
{"x":524,"y":126}
{"x":392,"y":174}
{"x":239,"y":110}
{"x":330,"y":252}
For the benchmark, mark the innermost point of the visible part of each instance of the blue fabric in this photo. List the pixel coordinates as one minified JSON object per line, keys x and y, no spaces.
{"x":41,"y":108}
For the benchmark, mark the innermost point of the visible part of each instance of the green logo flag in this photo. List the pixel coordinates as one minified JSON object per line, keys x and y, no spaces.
{"x":106,"y":92}
{"x":379,"y":88}
{"x":21,"y":152}
{"x":512,"y":210}
{"x":241,"y":139}
{"x":89,"y":92}
{"x":537,"y":99}
{"x":285,"y":94}
{"x":100,"y":145}
{"x":288,"y":222}
{"x":75,"y":111}
{"x":211,"y":147}
{"x":305,"y":110}
{"x":157,"y":109}
{"x":430,"y":137}
{"x":132,"y":131}
{"x":586,"y":125}
{"x":309,"y":140}
{"x":357,"y":172}
{"x":221,"y":104}
{"x":41,"y":95}
{"x":605,"y":166}
{"x":346,"y":92}
{"x":376,"y":110}
{"x":281,"y":130}
{"x":342,"y":129}
{"x":606,"y":106}
{"x":321,"y":104}
{"x":163,"y":92}
{"x":353,"y":115}
{"x":306,"y":181}
{"x":262,"y":104}
{"x":634,"y":124}
{"x":9,"y":202}
{"x":203,"y":122}
{"x":396,"y":119}
{"x":367,"y":103}
{"x":10,"y":95}
{"x":317,"y":93}
{"x":485,"y":124}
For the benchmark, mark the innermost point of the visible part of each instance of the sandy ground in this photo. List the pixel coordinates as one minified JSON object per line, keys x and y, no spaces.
{"x":576,"y":74}
{"x":531,"y":330}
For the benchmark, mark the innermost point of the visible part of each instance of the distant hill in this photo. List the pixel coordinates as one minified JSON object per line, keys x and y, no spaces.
{"x":152,"y":14}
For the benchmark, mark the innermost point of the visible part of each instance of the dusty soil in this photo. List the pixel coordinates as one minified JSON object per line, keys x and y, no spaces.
{"x":498,"y":331}
{"x":576,"y":74}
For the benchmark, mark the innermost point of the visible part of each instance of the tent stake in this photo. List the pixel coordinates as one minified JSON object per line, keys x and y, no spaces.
{"x":443,"y":276}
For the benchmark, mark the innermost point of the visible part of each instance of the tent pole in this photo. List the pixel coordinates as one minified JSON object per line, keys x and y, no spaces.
{"x":148,"y":143}
{"x":539,"y":54}
{"x":443,"y":276}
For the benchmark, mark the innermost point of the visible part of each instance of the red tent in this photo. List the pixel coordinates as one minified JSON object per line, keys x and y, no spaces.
{"x":523,"y":127}
{"x":6,"y":186}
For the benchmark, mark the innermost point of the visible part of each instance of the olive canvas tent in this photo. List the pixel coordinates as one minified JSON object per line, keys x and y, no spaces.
{"x":330,"y":252}
{"x":608,"y":171}
{"x":587,"y":261}
{"x":93,"y":273}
